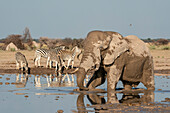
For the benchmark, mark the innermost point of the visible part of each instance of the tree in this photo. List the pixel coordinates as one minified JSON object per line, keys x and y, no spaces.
{"x":16,"y":39}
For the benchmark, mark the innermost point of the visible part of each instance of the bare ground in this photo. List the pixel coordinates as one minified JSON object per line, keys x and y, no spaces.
{"x":7,"y":61}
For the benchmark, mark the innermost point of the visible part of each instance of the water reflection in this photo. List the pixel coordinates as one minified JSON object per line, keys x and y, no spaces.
{"x":47,"y":80}
{"x":99,"y":103}
{"x":53,"y":80}
{"x":42,"y":90}
{"x":21,"y":80}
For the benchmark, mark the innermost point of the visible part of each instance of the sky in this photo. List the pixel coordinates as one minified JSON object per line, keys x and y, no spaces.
{"x":75,"y":18}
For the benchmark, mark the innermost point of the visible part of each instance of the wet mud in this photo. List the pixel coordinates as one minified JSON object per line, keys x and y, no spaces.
{"x":43,"y":70}
{"x":38,"y":70}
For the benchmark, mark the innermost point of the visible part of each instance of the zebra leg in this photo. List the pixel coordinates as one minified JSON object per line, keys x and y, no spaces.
{"x":50,"y":63}
{"x":22,"y":67}
{"x":68,"y":63}
{"x":17,"y":65}
{"x":48,"y":59}
{"x":39,"y":61}
{"x":64,"y":65}
{"x":72,"y":65}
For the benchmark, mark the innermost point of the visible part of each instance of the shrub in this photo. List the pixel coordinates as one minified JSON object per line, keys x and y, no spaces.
{"x":16,"y":39}
{"x":166,"y":48}
{"x":152,"y":47}
{"x":12,"y":49}
{"x":162,"y":41}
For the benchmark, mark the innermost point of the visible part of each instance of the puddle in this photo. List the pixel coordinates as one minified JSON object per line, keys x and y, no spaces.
{"x":50,"y":94}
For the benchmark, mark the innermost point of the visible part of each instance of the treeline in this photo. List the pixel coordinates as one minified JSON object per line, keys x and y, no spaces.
{"x":160,"y":41}
{"x":20,"y":42}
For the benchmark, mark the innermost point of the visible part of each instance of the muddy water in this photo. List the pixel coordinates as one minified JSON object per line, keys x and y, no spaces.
{"x":50,"y":94}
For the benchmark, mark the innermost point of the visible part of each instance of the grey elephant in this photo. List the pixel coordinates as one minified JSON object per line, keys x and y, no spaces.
{"x":110,"y":55}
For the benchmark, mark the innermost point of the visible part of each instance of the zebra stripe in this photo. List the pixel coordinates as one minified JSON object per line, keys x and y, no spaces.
{"x":45,"y":53}
{"x":42,"y":52}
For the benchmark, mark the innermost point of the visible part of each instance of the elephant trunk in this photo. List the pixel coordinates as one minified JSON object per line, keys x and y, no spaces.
{"x":81,"y":74}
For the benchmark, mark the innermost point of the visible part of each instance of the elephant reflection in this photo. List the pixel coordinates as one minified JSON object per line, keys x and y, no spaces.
{"x":99,"y":103}
{"x":120,"y":58}
{"x":21,"y":80}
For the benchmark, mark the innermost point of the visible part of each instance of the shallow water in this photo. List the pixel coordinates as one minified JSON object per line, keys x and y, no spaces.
{"x":49,"y":94}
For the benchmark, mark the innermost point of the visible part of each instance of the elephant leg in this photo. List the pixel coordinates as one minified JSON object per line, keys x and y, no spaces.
{"x":97,"y":79}
{"x":113,"y":75}
{"x":148,"y":74}
{"x":127,"y":85}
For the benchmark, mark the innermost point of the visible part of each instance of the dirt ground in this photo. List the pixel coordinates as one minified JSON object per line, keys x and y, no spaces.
{"x":161,"y":60}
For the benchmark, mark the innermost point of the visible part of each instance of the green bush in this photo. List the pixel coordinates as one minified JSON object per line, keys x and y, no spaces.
{"x":152,"y":47}
{"x":166,"y":48}
{"x":12,"y":49}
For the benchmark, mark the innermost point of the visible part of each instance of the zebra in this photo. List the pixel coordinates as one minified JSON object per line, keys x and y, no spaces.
{"x":45,"y":54}
{"x":68,"y":56}
{"x":54,"y":57}
{"x":21,"y":61}
{"x":38,"y":54}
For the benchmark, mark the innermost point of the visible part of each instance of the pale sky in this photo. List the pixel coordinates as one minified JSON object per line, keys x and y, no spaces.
{"x":75,"y":18}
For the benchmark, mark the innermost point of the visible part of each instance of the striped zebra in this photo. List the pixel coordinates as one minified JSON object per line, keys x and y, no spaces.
{"x":21,"y":61}
{"x":68,"y":56}
{"x":45,"y":54}
{"x":40,"y":53}
{"x":53,"y":56}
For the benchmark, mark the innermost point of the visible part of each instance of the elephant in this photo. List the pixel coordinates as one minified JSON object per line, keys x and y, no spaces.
{"x":108,"y":54}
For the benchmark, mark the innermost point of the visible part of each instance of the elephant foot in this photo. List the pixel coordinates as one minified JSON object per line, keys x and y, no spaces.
{"x":127,"y":87}
{"x":149,"y":85}
{"x":151,"y":88}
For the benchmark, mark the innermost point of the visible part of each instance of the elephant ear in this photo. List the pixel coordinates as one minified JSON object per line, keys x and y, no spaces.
{"x":117,"y":46}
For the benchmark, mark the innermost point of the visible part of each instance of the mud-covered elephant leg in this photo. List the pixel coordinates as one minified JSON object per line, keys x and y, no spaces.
{"x":97,"y":79}
{"x":114,"y":72}
{"x":112,"y":97}
{"x":81,"y":74}
{"x":113,"y":76}
{"x":148,"y":74}
{"x":128,"y":85}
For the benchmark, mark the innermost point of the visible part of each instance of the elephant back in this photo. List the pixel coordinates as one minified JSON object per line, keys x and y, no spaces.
{"x":137,"y":46}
